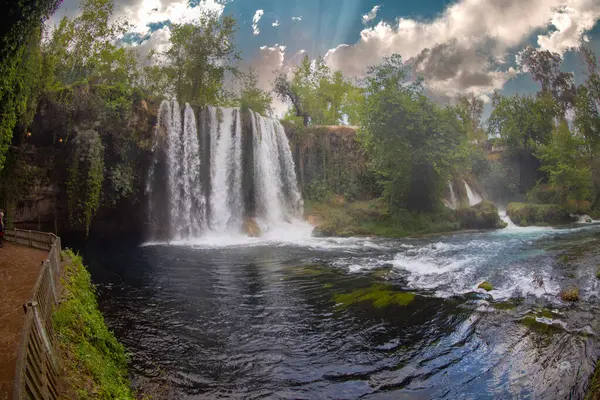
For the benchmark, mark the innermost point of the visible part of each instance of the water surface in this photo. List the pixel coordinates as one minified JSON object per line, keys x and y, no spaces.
{"x":350,"y":318}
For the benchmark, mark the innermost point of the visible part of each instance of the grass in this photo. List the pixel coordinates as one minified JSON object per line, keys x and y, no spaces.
{"x":378,"y":295}
{"x":94,"y":363}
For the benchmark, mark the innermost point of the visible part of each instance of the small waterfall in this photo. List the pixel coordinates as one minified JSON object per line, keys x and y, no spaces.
{"x":452,"y":202}
{"x":504,"y":217}
{"x":192,"y":203}
{"x":473,"y":197}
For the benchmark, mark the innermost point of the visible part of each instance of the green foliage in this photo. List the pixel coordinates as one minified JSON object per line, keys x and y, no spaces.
{"x":368,"y":218}
{"x":470,"y":111}
{"x":19,"y":88}
{"x":86,"y":175}
{"x":85,"y":49}
{"x":524,"y":122}
{"x":565,"y":161}
{"x":200,"y":55}
{"x":317,"y":95}
{"x":253,"y":98}
{"x":525,"y":214}
{"x":411,"y":142}
{"x":94,"y":362}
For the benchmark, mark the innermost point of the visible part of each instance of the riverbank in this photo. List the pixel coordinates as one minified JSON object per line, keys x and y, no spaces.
{"x":336,"y":217}
{"x":94,"y":363}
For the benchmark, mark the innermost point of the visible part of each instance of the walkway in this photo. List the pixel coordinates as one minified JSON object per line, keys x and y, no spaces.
{"x":19,"y":268}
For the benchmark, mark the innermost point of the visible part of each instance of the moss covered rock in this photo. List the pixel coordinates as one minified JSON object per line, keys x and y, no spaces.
{"x":525,"y":214}
{"x":570,"y":294}
{"x":485,"y":285}
{"x":378,"y":295}
{"x":481,"y":216}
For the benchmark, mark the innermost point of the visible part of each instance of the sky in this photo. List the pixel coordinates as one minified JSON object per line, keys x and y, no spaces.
{"x":458,"y":46}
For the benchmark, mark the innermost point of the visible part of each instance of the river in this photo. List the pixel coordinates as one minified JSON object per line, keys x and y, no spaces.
{"x":357,"y":317}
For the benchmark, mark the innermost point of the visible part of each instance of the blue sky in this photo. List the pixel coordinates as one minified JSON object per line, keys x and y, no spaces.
{"x":458,"y":46}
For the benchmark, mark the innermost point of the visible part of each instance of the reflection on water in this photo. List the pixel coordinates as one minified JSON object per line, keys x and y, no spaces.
{"x":259,"y":319}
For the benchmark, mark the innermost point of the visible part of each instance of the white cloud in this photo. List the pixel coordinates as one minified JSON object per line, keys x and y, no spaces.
{"x":257,"y":16}
{"x":370,"y":16}
{"x":297,"y":18}
{"x":464,"y":49}
{"x":570,"y":25}
{"x":276,"y":23}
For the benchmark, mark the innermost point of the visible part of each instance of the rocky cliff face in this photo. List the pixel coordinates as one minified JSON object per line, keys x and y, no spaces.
{"x":329,"y":158}
{"x":33,"y":185}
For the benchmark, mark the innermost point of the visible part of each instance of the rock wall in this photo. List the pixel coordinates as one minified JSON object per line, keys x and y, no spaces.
{"x":329,"y":158}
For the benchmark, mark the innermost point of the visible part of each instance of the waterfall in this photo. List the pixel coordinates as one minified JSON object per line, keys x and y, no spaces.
{"x":277,"y":196}
{"x":189,"y":203}
{"x":473,"y":197}
{"x":451,"y":203}
{"x":185,"y":206}
{"x":225,"y":169}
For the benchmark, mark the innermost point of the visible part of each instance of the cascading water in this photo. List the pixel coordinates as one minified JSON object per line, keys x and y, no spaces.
{"x":452,"y":202}
{"x":187,"y":203}
{"x":199,"y":204}
{"x":473,"y":197}
{"x":225,"y":169}
{"x":277,"y":196}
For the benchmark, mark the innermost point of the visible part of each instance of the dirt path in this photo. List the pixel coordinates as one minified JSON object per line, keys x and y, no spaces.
{"x":19,"y":268}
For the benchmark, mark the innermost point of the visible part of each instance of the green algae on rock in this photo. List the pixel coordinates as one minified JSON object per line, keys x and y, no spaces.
{"x":485,"y":285}
{"x":379,"y":295}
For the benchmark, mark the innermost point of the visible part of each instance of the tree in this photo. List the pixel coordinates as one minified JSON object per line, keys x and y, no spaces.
{"x":317,"y":95}
{"x":200,"y":55}
{"x":470,"y":112}
{"x":252,"y":97}
{"x":544,"y":66}
{"x":524,"y":123}
{"x":286,"y":91}
{"x":412,"y":143}
{"x":565,"y":160}
{"x":85,"y":48}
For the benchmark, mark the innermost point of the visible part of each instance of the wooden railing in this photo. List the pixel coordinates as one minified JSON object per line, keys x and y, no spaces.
{"x":36,"y":376}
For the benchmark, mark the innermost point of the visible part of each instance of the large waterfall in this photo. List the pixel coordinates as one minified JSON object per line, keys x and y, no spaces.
{"x":209,"y":176}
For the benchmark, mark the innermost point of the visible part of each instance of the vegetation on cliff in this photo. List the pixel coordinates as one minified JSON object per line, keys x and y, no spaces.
{"x":94,"y":363}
